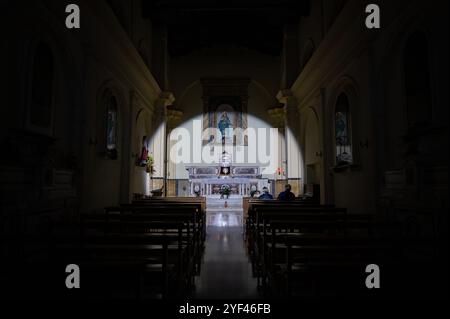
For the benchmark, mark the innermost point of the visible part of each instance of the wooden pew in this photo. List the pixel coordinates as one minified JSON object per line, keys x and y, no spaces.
{"x":286,"y":211}
{"x":167,"y":212}
{"x":179,"y":200}
{"x":335,"y":265}
{"x":276,"y":226}
{"x":137,"y":217}
{"x":128,"y":242}
{"x":155,"y":258}
{"x":277,"y":206}
{"x":109,"y":263}
{"x":274,"y":238}
{"x":176,"y":205}
{"x":163,"y":202}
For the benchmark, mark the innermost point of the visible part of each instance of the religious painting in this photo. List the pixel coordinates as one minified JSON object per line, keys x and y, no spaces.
{"x":342,"y":131}
{"x":225,"y":116}
{"x":111,"y":127}
{"x":225,"y":111}
{"x":225,"y":125}
{"x":341,"y":128}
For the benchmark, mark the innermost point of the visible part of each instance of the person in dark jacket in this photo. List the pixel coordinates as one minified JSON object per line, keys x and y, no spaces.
{"x":287,"y":195}
{"x":266,"y":195}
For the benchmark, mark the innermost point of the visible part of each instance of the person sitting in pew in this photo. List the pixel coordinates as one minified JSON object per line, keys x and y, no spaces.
{"x":287,"y":195}
{"x":265,"y":195}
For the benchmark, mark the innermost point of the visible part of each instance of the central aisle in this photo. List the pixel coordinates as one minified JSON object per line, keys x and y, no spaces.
{"x":226,"y":270}
{"x":224,"y":212}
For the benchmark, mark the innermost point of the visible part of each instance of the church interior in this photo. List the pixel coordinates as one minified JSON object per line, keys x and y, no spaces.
{"x":251,"y":149}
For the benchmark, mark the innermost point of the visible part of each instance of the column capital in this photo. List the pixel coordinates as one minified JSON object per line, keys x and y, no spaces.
{"x":174,"y":117}
{"x":165,"y":99}
{"x":286,"y":97}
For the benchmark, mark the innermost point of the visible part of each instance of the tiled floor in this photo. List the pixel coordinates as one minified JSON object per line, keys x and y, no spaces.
{"x":226,"y":270}
{"x":224,"y":212}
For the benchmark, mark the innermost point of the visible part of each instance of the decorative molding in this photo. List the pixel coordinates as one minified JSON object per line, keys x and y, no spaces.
{"x":167,"y":98}
{"x":284,"y":96}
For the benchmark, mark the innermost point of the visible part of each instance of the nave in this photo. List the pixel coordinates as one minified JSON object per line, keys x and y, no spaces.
{"x":137,"y":149}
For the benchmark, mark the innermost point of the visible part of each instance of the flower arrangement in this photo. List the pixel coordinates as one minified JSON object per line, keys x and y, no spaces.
{"x":225,"y":191}
{"x":197,"y":191}
{"x":280,"y":171}
{"x":150,"y":166}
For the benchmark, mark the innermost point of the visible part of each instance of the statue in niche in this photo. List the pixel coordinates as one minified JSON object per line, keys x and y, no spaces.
{"x":143,"y":159}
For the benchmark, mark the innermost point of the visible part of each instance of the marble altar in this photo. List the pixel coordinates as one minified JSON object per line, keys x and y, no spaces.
{"x":207,"y":180}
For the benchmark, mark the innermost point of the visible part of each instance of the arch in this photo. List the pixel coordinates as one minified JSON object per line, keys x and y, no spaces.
{"x":390,"y":88}
{"x":68,"y":111}
{"x":46,"y":70}
{"x":109,"y":101}
{"x":396,"y":41}
{"x":64,"y":53}
{"x":313,"y":171}
{"x":142,"y":136}
{"x":393,"y":56}
{"x":312,"y":145}
{"x":344,"y":116}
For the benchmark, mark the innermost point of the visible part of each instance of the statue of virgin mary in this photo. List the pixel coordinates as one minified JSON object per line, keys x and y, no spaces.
{"x":224,"y":124}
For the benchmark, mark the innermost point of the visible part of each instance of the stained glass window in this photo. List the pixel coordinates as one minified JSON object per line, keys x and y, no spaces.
{"x":343,"y":131}
{"x":111,"y":126}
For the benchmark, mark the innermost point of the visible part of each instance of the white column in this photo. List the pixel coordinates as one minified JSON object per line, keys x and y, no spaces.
{"x":292,"y":134}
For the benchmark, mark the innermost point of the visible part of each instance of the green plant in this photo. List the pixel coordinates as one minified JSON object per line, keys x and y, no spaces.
{"x":225,"y":191}
{"x":150,"y":165}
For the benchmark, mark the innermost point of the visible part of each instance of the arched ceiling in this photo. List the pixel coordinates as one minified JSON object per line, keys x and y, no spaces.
{"x":255,"y":24}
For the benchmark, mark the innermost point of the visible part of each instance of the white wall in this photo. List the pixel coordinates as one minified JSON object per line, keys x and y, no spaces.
{"x":217,"y":62}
